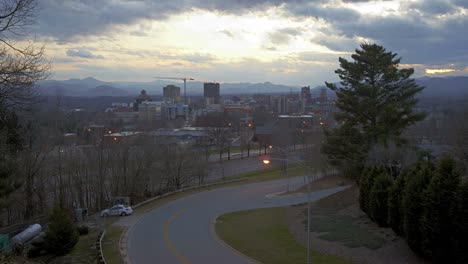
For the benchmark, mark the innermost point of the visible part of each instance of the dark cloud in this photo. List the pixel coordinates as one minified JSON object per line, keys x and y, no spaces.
{"x":462,"y":3}
{"x":415,"y":39}
{"x":66,"y":19}
{"x":313,"y":9}
{"x":336,"y":42}
{"x":433,"y":7}
{"x":83,"y":53}
{"x":283,"y":36}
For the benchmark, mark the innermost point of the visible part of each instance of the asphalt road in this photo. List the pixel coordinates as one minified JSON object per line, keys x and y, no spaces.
{"x":182,"y":231}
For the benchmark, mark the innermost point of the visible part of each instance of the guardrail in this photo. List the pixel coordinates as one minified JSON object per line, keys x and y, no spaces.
{"x":184,"y":190}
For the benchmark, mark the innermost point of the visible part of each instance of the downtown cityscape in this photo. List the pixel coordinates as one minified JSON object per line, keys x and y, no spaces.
{"x":233,"y":131}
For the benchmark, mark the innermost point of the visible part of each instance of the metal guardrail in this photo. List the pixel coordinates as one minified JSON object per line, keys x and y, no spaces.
{"x":183,"y":190}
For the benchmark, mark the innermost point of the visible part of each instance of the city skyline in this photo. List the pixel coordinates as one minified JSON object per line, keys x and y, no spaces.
{"x":294,"y":43}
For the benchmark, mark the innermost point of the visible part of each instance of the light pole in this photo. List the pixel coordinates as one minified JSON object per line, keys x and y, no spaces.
{"x":285,"y":153}
{"x":267,"y":161}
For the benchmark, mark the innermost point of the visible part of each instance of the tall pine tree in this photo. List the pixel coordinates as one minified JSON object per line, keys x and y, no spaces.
{"x":375,"y":98}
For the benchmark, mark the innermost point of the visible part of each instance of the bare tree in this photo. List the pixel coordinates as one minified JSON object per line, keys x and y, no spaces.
{"x":20,"y":65}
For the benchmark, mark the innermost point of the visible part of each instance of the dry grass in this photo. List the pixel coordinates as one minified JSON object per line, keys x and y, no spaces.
{"x":263,"y":235}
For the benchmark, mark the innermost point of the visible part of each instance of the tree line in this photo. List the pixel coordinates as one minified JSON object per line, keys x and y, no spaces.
{"x":402,"y":186}
{"x":426,"y":204}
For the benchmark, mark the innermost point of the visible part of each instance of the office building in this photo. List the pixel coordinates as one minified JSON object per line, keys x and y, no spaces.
{"x":211,"y":90}
{"x":305,"y":93}
{"x":171,"y":93}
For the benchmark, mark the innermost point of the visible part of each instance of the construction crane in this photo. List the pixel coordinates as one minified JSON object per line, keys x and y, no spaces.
{"x":181,"y":79}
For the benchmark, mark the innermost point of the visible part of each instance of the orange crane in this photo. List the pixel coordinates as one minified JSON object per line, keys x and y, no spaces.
{"x":178,"y":78}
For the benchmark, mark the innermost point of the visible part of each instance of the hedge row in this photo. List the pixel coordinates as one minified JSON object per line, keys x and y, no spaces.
{"x":427,"y":204}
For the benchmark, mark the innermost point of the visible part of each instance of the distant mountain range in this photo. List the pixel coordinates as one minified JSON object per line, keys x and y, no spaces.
{"x":447,"y":87}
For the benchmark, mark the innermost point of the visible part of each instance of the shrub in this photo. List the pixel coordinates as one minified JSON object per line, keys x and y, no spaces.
{"x":437,"y":219}
{"x":413,"y":195}
{"x":61,"y":235}
{"x":363,"y":187}
{"x":460,"y":238}
{"x":378,"y":197}
{"x":366,"y":183}
{"x":395,"y":204}
{"x":82,"y":230}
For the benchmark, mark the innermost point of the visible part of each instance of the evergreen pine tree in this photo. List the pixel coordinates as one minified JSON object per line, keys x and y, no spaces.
{"x":437,"y":219}
{"x":61,"y":235}
{"x":376,"y":101}
{"x":395,"y":203}
{"x":378,"y":198}
{"x":460,"y":233}
{"x":413,"y":200}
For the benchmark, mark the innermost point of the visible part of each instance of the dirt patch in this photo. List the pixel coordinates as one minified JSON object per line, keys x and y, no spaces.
{"x":340,"y":228}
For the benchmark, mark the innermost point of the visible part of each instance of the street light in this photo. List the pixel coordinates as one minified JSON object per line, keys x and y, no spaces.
{"x":284,"y":152}
{"x":266,"y":161}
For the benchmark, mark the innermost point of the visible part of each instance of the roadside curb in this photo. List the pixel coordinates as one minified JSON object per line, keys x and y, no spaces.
{"x":123,"y":246}
{"x":226,"y":245}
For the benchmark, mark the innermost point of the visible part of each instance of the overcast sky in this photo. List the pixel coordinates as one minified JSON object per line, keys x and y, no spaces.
{"x":295,"y":42}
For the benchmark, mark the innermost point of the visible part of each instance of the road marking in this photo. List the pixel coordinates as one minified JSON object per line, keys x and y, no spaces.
{"x":171,"y":247}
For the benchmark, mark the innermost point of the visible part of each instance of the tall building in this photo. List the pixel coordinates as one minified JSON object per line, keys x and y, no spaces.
{"x":305,"y":93}
{"x":211,"y":90}
{"x":282,"y":105}
{"x":172,"y":92}
{"x":323,"y":94}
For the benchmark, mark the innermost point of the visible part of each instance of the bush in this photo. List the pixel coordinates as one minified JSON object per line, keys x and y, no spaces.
{"x":82,"y":230}
{"x":437,"y":218}
{"x":460,"y":238}
{"x":61,"y":235}
{"x":395,"y":204}
{"x":365,"y":185}
{"x":363,"y":182}
{"x":413,"y":195}
{"x":378,"y":198}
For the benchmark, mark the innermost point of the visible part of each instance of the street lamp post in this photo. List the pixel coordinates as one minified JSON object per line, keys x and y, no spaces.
{"x":284,"y":152}
{"x":267,"y":162}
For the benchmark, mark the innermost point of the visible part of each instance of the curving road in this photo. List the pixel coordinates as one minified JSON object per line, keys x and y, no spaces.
{"x":181,"y":231}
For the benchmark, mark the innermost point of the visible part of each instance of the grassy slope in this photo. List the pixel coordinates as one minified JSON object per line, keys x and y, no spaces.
{"x":110,"y":245}
{"x":262,"y":234}
{"x":345,"y":229}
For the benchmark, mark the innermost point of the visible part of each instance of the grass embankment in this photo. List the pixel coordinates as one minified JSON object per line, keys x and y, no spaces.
{"x":348,"y":230}
{"x":110,"y":244}
{"x":326,"y":182}
{"x":233,"y":150}
{"x":263,"y":235}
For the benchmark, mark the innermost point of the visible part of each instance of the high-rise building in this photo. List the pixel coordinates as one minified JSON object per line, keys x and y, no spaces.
{"x":211,"y":90}
{"x":172,"y":92}
{"x":282,"y":105}
{"x":305,"y":93}
{"x":323,"y":94}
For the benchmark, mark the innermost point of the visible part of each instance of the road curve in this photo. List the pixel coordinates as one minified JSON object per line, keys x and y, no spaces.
{"x":179,"y":231}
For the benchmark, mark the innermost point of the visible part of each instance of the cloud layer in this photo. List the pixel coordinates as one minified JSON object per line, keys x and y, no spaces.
{"x":145,"y":34}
